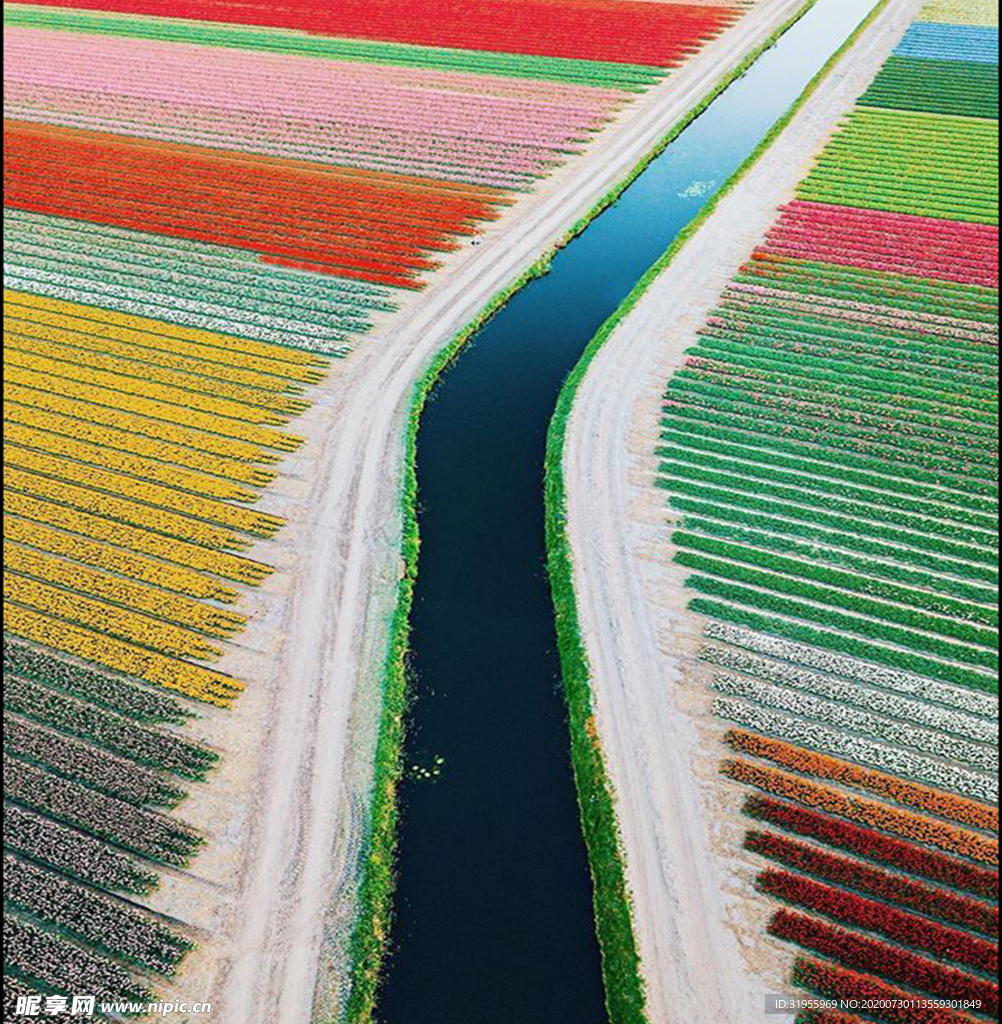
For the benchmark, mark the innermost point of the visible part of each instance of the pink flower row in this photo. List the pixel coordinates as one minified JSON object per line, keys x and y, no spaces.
{"x":323,"y":91}
{"x":917,"y":246}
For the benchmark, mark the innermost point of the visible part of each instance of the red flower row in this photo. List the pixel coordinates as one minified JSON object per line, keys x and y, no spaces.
{"x":907,"y":929}
{"x":875,"y":846}
{"x":613,"y":30}
{"x":883,"y":885}
{"x":373,"y":227}
{"x":892,"y":1005}
{"x":874,"y":957}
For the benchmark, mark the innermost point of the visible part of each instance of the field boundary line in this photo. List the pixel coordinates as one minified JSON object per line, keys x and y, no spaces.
{"x":613,"y":900}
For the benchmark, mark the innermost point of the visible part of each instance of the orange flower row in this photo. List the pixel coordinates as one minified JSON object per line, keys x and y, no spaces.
{"x":868,"y":812}
{"x":911,"y":794}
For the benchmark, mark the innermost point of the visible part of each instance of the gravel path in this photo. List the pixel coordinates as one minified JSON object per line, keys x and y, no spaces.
{"x":630,"y":597}
{"x":271,"y":899}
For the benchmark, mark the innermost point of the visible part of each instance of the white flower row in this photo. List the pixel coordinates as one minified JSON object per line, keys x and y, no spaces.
{"x":894,"y":761}
{"x":856,"y":720}
{"x":255,"y":326}
{"x":955,"y":697}
{"x":933,"y":716}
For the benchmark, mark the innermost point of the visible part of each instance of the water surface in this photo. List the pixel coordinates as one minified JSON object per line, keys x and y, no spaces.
{"x":494,"y":914}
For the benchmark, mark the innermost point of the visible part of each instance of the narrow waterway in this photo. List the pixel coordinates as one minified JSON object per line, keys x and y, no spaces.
{"x":494,"y":917}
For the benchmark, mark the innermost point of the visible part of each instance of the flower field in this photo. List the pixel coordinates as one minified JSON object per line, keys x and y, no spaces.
{"x":187,"y":254}
{"x":830,"y":453}
{"x":623,"y":31}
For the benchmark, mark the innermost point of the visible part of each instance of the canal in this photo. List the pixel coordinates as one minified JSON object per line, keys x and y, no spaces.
{"x":494,"y":920}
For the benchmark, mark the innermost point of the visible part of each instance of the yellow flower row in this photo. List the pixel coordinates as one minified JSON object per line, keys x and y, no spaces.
{"x":123,"y":510}
{"x":113,"y":559}
{"x":234,"y":516}
{"x":133,"y":422}
{"x":194,"y":681}
{"x":129,"y":441}
{"x":138,"y":597}
{"x":202,"y":361}
{"x":144,"y":375}
{"x":137,"y":444}
{"x":214,"y":423}
{"x":140,"y":540}
{"x":60,"y":370}
{"x":133,"y":465}
{"x":106,"y":618}
{"x":291,"y":362}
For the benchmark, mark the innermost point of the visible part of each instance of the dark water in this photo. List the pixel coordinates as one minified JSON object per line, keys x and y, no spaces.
{"x":494,"y":914}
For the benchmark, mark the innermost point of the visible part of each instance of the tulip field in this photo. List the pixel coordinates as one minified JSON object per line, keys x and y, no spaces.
{"x":207,"y":205}
{"x":830,"y":453}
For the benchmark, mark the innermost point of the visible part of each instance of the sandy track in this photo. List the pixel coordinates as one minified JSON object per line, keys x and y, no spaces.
{"x":632,"y":608}
{"x":299,"y":853}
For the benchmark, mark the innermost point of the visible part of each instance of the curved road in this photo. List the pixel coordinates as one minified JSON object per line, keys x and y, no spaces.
{"x":337,"y":614}
{"x":630,"y":601}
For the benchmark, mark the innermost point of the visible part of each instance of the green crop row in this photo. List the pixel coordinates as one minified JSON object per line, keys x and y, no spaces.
{"x":841,"y":399}
{"x":799,"y":456}
{"x":965,"y":369}
{"x":142,"y":744}
{"x":820,"y":378}
{"x":75,"y":853}
{"x":788,"y":410}
{"x":877,"y":619}
{"x":630,"y":77}
{"x":963,"y":88}
{"x":877,"y":287}
{"x":694,"y":419}
{"x":90,"y":766}
{"x":901,"y":449}
{"x":869,"y":277}
{"x":929,"y":340}
{"x":104,"y":689}
{"x":721,"y":509}
{"x":866,"y":582}
{"x":865,"y":650}
{"x":747,"y":465}
{"x":705,"y":532}
{"x":142,"y":832}
{"x":945,"y":379}
{"x":759,"y":500}
{"x":110,"y":925}
{"x":828,"y":510}
{"x":956,"y":345}
{"x":819,"y":373}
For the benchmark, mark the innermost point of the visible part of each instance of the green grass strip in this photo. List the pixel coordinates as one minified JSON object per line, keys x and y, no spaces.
{"x":624,"y":986}
{"x":605,"y":74}
{"x":620,"y":960}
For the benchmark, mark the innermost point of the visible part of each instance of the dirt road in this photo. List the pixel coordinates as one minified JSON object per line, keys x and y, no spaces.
{"x":296,"y":843}
{"x":630,"y":600}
